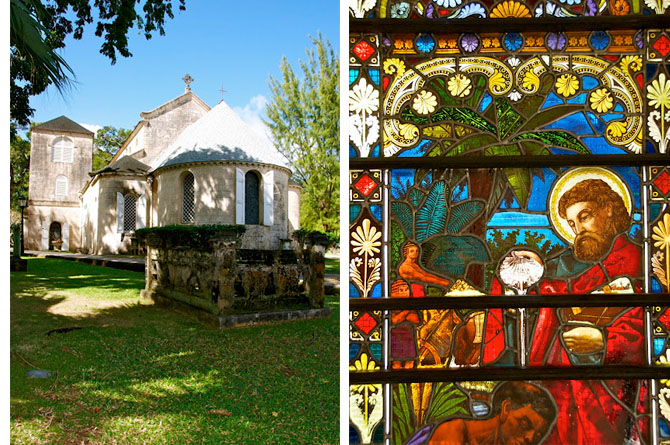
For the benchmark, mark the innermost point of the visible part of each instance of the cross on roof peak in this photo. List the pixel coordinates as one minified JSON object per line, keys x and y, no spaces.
{"x":187,"y":80}
{"x":221,"y":90}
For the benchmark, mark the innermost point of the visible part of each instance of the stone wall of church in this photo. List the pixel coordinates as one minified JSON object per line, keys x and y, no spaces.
{"x":43,"y":171}
{"x":108,"y":239}
{"x":166,"y":126}
{"x":215,"y":186}
{"x":39,"y":218}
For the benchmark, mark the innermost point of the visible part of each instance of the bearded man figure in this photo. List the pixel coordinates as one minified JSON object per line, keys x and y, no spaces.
{"x":594,"y":217}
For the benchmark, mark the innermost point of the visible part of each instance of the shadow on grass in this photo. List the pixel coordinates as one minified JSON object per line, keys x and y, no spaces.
{"x":145,"y":374}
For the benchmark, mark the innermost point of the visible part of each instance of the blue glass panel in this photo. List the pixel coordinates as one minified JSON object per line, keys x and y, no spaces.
{"x":427,"y":180}
{"x":655,"y":286}
{"x":353,"y":75}
{"x":352,"y":152}
{"x":612,"y":117}
{"x":663,"y":428}
{"x":460,"y":193}
{"x":353,"y":292}
{"x":376,"y":291}
{"x":538,"y":196}
{"x":619,"y":108}
{"x":419,"y":150}
{"x":637,"y":217}
{"x":509,"y":219}
{"x":597,"y":123}
{"x":600,"y":146}
{"x":512,"y":205}
{"x":354,"y":349}
{"x":650,"y":147}
{"x":654,"y":210}
{"x":634,"y":231}
{"x":632,"y":178}
{"x":575,"y":122}
{"x":376,"y":350}
{"x":486,"y":101}
{"x":376,"y":211}
{"x":378,"y":436}
{"x":353,"y":435}
{"x":659,"y":345}
{"x":401,"y":181}
{"x":579,"y":99}
{"x":375,"y":152}
{"x":374,"y":76}
{"x":651,"y":70}
{"x":354,"y":211}
{"x":548,"y":234}
{"x":552,"y":100}
{"x":589,"y":82}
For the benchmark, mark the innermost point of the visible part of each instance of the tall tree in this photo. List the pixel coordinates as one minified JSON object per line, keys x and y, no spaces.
{"x":39,"y":27}
{"x":303,"y":117}
{"x":19,"y":169}
{"x":107,"y":142}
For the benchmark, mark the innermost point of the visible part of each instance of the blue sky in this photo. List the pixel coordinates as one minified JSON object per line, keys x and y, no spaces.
{"x":218,"y":42}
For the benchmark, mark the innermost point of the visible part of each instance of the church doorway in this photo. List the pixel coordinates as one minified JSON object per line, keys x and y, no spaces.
{"x":55,"y":238}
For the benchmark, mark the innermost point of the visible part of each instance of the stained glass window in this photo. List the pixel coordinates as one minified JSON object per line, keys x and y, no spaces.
{"x":509,"y":222}
{"x":188,"y":198}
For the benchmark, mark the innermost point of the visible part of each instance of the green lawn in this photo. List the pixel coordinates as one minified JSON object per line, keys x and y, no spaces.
{"x":333,"y":266}
{"x":137,"y":373}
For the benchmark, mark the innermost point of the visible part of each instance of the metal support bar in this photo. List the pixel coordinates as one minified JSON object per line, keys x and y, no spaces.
{"x":504,"y":301}
{"x":508,"y":24}
{"x":509,"y":373}
{"x":509,"y":161}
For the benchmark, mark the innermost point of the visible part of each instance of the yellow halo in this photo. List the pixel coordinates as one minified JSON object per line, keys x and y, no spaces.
{"x":571,"y":178}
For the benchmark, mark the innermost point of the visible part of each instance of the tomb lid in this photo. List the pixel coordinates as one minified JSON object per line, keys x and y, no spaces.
{"x":62,"y":123}
{"x":126,"y":164}
{"x":220,"y":135}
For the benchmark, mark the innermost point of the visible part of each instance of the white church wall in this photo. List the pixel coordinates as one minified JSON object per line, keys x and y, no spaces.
{"x":214,"y":186}
{"x":37,"y":217}
{"x":293,"y":208}
{"x":164,"y":125}
{"x":109,"y":240}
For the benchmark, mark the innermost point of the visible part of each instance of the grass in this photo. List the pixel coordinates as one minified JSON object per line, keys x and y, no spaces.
{"x":333,"y":265}
{"x":138,"y":373}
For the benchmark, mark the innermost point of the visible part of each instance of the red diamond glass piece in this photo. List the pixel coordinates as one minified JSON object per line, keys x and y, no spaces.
{"x":665,"y":319}
{"x":366,"y":323}
{"x":662,"y":45}
{"x":365,"y":185}
{"x":363,"y":50}
{"x":663,"y":182}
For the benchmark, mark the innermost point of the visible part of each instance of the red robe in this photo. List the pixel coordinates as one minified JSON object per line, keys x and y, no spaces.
{"x":587,"y":412}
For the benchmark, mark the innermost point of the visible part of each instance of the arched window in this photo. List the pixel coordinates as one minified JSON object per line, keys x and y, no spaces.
{"x":129,"y":213}
{"x":61,"y":186}
{"x":188,"y":199}
{"x":251,"y":198}
{"x":62,"y":150}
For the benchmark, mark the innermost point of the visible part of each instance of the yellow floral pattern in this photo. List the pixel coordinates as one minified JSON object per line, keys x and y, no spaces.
{"x":601,"y":100}
{"x":424,"y":102}
{"x":510,"y":8}
{"x":459,"y":85}
{"x":567,"y":84}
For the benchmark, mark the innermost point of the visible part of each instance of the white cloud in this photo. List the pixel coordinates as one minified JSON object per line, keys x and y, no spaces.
{"x":92,"y":127}
{"x":252,"y":114}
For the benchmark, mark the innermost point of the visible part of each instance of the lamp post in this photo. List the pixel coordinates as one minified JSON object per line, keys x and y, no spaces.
{"x":23,"y":202}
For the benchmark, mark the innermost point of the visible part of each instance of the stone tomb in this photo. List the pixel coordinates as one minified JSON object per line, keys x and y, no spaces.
{"x":236,"y":286}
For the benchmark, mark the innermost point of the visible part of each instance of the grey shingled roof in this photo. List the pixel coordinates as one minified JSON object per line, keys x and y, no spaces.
{"x":63,"y":123}
{"x":220,"y":135}
{"x":126,"y":164}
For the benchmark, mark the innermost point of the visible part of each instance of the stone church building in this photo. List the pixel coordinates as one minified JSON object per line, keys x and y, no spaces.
{"x":184,"y":163}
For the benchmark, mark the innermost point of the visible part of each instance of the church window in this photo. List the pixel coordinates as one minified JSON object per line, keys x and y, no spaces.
{"x":251,"y":198}
{"x":509,"y":231}
{"x":61,"y":186}
{"x":250,"y":188}
{"x":62,"y":150}
{"x":129,"y":213}
{"x":188,"y":199}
